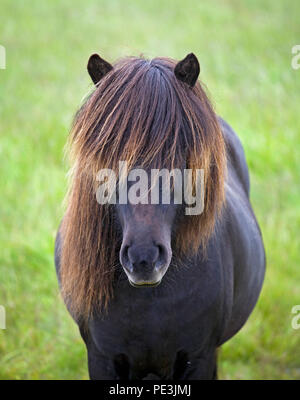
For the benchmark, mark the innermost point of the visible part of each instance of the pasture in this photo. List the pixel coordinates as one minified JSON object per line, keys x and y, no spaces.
{"x":244,"y":49}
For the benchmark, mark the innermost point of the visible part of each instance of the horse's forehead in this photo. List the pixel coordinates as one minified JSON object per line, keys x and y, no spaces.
{"x":145,"y":212}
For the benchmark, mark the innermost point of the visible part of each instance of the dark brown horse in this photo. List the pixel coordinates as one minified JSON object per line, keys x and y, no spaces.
{"x":153,"y":290}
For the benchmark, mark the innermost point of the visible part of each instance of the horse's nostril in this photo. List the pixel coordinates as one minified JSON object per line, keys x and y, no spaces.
{"x":126,"y":252}
{"x":162,"y":253}
{"x":124,"y":255}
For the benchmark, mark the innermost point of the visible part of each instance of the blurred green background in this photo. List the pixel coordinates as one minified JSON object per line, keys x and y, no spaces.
{"x":244,"y":48}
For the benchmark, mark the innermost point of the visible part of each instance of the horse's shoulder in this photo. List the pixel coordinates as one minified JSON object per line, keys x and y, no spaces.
{"x":236,"y":160}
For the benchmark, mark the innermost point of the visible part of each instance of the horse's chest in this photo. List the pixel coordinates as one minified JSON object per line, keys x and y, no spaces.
{"x":151,"y":330}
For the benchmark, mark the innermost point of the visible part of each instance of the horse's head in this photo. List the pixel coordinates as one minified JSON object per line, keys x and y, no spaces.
{"x":146,"y":248}
{"x":156,"y":115}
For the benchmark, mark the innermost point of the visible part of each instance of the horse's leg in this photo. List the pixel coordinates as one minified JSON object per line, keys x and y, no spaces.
{"x":203,"y":367}
{"x":100,"y":367}
{"x":215,"y":373}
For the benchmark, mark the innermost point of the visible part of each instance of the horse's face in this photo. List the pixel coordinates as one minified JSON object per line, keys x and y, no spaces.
{"x":146,"y":252}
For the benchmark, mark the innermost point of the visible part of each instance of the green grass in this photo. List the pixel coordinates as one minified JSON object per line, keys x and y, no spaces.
{"x":244,"y":50}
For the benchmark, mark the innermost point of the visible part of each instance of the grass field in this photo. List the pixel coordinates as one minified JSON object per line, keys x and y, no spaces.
{"x":245,"y":53}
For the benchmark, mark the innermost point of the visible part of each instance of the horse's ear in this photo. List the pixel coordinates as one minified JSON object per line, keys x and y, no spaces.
{"x":97,"y":68}
{"x":188,"y":69}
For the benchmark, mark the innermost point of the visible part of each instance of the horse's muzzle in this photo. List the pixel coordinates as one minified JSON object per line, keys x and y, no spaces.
{"x":145,"y":266}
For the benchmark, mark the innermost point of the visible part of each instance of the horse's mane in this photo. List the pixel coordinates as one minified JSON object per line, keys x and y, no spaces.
{"x":139,"y":113}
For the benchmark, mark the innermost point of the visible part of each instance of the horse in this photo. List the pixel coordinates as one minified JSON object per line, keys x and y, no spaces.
{"x":155,"y":292}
